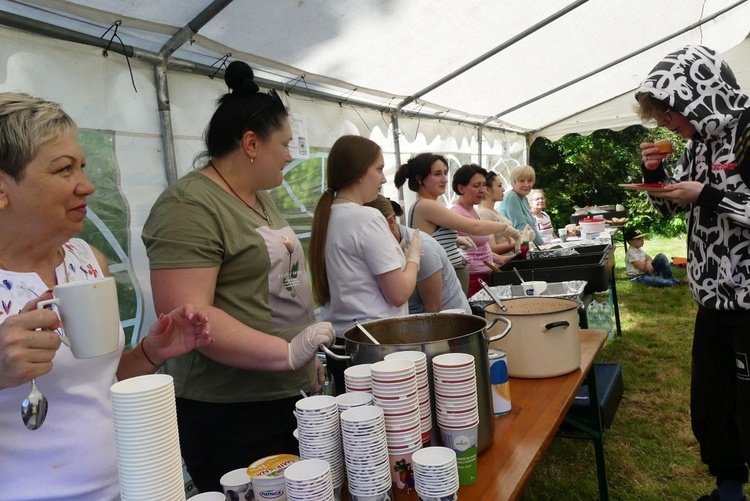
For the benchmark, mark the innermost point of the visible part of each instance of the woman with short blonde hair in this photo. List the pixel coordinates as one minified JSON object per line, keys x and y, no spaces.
{"x":515,"y":206}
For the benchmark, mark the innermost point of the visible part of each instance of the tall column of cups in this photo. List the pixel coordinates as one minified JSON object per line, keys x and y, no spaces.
{"x":436,"y":474}
{"x":394,"y":387}
{"x":423,"y":389}
{"x":456,"y":405}
{"x":319,"y":433}
{"x":149,"y":462}
{"x":309,"y":479}
{"x":357,"y":378}
{"x":366,"y":452}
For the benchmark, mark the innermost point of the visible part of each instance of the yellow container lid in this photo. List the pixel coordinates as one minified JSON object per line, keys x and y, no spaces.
{"x":271,"y":466}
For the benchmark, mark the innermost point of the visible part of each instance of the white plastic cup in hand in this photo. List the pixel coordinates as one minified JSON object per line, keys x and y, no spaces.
{"x":90,"y":316}
{"x":237,"y":484}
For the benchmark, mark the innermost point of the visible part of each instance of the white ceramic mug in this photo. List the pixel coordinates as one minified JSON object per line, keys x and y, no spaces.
{"x":90,"y":316}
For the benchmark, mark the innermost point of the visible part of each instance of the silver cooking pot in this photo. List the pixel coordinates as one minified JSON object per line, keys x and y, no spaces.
{"x":433,"y":334}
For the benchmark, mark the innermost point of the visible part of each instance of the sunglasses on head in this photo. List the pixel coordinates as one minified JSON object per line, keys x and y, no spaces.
{"x":274,"y":100}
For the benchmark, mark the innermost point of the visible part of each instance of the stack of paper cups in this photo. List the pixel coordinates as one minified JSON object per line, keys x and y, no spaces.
{"x":319,"y":433}
{"x":357,"y":378}
{"x":436,"y":473}
{"x":394,"y":386}
{"x":309,"y":479}
{"x":148,"y":446}
{"x":423,"y":389}
{"x":366,"y":452}
{"x":456,"y":405}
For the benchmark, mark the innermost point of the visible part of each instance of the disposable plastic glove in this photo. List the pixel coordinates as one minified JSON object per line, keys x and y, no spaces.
{"x":414,"y":252}
{"x":304,"y":345}
{"x":466,"y":242}
{"x":513,"y":233}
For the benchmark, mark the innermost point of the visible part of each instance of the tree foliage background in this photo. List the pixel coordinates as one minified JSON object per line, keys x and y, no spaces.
{"x":579,"y":171}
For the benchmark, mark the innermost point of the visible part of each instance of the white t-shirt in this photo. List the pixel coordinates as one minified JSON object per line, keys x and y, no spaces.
{"x":434,"y":259}
{"x":633,"y":255}
{"x":544,"y":227}
{"x":359,"y":247}
{"x":72,"y":457}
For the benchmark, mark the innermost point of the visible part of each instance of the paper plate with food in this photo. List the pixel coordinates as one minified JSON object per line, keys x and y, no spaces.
{"x":618,"y":221}
{"x":652,"y":187}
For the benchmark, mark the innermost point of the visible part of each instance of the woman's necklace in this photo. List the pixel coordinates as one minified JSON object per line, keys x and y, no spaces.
{"x":264,"y":215}
{"x":470,"y":210}
{"x":347,"y":199}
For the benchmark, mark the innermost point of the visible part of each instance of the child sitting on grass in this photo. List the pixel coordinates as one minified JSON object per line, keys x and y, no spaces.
{"x":642,"y":268}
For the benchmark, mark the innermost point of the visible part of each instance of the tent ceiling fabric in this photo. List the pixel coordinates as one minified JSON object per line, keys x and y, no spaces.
{"x":382,"y":51}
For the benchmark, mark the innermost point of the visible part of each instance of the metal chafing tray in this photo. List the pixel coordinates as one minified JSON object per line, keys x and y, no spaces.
{"x":568,"y":290}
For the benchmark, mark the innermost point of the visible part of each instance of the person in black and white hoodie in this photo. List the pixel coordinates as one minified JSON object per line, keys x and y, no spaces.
{"x":694,"y":93}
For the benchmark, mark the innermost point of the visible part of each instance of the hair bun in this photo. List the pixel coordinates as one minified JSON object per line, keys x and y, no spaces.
{"x":239,"y":78}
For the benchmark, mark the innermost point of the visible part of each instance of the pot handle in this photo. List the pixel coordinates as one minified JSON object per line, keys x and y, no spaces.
{"x":492,"y":322}
{"x":333,"y":355}
{"x":561,"y":323}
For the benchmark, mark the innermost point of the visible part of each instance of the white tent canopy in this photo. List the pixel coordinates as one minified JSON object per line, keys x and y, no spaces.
{"x":512,"y":55}
{"x":474,"y":80}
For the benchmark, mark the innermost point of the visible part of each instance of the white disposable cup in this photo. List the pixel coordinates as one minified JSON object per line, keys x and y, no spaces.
{"x":418,"y":357}
{"x":136,"y":387}
{"x":361,"y":371}
{"x":392,"y":369}
{"x":348,"y":400}
{"x":238,"y":482}
{"x":209,"y":496}
{"x":90,"y":316}
{"x":449,"y":360}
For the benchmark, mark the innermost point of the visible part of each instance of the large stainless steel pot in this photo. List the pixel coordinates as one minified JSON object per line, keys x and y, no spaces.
{"x":545,"y":338}
{"x":433,"y":334}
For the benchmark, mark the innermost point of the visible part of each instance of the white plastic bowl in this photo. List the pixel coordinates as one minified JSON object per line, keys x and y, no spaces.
{"x":535,"y":288}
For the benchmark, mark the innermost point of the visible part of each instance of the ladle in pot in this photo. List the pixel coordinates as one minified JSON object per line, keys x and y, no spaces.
{"x":492,"y":295}
{"x":367,"y":333}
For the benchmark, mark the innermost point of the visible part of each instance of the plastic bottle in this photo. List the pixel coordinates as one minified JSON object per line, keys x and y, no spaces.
{"x":524,"y":249}
{"x":592,"y":315}
{"x":606,"y":314}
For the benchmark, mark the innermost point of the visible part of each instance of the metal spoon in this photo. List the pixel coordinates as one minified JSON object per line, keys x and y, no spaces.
{"x":520,"y":278}
{"x":492,"y":294}
{"x":34,"y":408}
{"x":367,"y":333}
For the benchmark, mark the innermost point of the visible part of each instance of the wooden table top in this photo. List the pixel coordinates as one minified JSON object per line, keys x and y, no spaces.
{"x":522,"y":437}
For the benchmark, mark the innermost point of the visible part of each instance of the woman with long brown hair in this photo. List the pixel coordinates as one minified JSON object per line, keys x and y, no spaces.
{"x":358,"y":269}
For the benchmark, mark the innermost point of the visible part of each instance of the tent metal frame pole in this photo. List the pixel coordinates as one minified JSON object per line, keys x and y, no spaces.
{"x":479,"y":144}
{"x":52,"y":31}
{"x":617,"y":61}
{"x":162,"y":82}
{"x":541,"y":24}
{"x":397,"y":152}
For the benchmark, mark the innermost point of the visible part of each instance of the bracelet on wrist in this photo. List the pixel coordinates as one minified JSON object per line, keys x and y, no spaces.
{"x":146,"y":355}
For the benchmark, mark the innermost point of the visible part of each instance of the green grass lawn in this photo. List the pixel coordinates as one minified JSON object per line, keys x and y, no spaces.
{"x":650,"y":449}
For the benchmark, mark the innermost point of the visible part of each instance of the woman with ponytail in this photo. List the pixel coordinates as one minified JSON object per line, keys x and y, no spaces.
{"x":215,"y":237}
{"x":358,"y":269}
{"x":427,"y":176}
